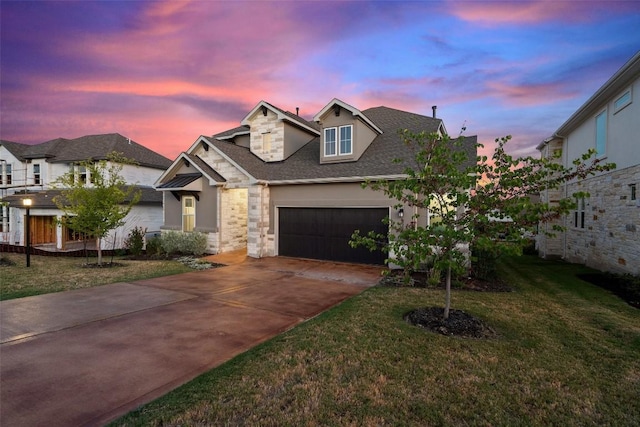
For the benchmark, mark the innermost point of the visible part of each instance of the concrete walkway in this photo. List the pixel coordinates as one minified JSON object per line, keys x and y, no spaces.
{"x":86,"y":357}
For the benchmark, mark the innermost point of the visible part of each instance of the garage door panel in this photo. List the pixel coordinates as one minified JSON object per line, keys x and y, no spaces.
{"x":324,"y":233}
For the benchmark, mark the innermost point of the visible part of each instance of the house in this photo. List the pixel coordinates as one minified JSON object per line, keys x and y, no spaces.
{"x":603,"y":232}
{"x":28,"y":171}
{"x":279,"y":184}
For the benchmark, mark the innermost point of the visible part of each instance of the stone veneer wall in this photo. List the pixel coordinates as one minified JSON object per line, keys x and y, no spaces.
{"x":610,"y":240}
{"x":261,"y":124}
{"x":258,"y":224}
{"x":233,"y":213}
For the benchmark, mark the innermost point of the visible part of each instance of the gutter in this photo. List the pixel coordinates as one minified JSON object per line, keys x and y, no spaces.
{"x":349,"y":179}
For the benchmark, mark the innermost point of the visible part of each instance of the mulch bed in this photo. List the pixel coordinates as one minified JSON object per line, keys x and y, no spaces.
{"x":459,"y":323}
{"x":419,"y":280}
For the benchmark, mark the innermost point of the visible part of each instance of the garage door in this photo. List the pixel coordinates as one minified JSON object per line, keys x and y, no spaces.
{"x":324,"y":233}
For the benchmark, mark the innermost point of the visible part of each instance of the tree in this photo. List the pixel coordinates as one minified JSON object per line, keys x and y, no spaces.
{"x":484,"y":205}
{"x":98,"y":204}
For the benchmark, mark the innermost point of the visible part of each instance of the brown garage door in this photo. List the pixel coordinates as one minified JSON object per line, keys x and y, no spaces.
{"x":324,"y":233}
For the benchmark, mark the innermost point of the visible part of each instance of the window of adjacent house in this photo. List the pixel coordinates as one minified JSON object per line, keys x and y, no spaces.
{"x":188,"y":213}
{"x":330,"y":141}
{"x":601,"y":133}
{"x":345,"y":139}
{"x":36,"y":174}
{"x":622,"y":101}
{"x":578,"y":215}
{"x":632,"y":189}
{"x":7,"y":169}
{"x":266,"y":142}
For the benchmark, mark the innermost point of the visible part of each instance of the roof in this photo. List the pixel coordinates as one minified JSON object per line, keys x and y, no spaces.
{"x":181,"y":180}
{"x":376,"y":160}
{"x":44,"y":199}
{"x":284,"y":115}
{"x":95,"y":147}
{"x":351,"y":109}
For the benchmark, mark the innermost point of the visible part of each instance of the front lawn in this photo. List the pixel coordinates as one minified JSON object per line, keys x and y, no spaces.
{"x":566,"y":353}
{"x":55,"y":274}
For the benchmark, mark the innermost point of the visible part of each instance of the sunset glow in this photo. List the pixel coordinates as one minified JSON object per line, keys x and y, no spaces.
{"x":165,"y":72}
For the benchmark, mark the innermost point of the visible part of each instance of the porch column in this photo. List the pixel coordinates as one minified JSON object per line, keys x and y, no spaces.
{"x":258,"y":221}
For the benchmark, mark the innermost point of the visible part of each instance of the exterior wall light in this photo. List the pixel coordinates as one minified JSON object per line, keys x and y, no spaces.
{"x":401,"y":212}
{"x":27,"y":234}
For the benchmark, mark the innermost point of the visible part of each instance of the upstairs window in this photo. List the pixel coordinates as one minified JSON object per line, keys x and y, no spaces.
{"x":601,"y":133}
{"x":7,"y":174}
{"x":345,"y":140}
{"x":342,"y":146}
{"x":266,"y":142}
{"x":632,"y":189}
{"x":188,"y":213}
{"x":36,"y":174}
{"x":622,"y":101}
{"x":330,"y":141}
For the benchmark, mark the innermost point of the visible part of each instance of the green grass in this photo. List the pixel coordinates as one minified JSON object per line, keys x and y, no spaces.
{"x":55,"y":274}
{"x":567,"y":353}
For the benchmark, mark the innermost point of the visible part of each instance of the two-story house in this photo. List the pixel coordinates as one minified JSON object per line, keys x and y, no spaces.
{"x":603,"y":231}
{"x":282,"y":185}
{"x":29,"y":171}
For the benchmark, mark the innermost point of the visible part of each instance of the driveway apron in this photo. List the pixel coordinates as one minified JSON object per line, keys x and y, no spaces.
{"x":86,"y":357}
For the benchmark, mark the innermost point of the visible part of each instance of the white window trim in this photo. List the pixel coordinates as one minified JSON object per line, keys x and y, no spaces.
{"x":580,"y":213}
{"x":38,"y":175}
{"x":339,"y":142}
{"x":617,"y":108}
{"x":335,"y":142}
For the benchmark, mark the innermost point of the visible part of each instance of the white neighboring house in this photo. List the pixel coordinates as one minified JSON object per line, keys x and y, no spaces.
{"x":28,"y":171}
{"x":604,"y":231}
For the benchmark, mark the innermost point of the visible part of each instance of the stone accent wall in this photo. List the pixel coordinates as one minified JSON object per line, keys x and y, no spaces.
{"x":260,"y":125}
{"x":258,"y":245}
{"x":235,"y":178}
{"x":233,"y":214}
{"x":610,"y":240}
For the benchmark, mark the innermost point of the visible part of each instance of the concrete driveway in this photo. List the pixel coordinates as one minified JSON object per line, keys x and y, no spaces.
{"x":86,"y":357}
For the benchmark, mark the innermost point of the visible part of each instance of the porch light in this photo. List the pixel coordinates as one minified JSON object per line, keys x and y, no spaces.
{"x":27,"y":234}
{"x":401,"y":213}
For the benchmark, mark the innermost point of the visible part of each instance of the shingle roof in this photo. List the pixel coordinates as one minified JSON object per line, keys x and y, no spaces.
{"x":15,"y":148}
{"x":95,"y":147}
{"x":44,"y":199}
{"x":204,"y":167}
{"x":376,"y":160}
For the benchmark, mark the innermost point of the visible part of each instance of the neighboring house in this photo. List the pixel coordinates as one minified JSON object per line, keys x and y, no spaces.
{"x":29,"y":171}
{"x":281,"y":185}
{"x":604,"y":231}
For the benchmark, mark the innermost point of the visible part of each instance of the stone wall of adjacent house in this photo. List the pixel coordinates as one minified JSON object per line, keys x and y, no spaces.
{"x":259,"y":244}
{"x":233,"y":215}
{"x":261,"y":125}
{"x":550,"y":243}
{"x":610,"y":240}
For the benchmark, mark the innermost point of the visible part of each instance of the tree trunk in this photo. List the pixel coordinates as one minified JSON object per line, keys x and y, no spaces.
{"x":99,"y":248}
{"x":447,"y":299}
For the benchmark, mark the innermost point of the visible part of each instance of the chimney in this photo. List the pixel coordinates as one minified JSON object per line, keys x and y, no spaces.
{"x":297,"y":111}
{"x":434,"y":108}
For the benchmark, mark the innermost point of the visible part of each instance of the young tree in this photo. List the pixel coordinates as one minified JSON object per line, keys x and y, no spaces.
{"x":98,"y":204}
{"x":485,"y":205}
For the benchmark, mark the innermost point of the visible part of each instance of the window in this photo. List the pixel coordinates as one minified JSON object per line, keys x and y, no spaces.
{"x":266,"y":142}
{"x":578,"y":215}
{"x":330,"y":142}
{"x":601,"y":133}
{"x":345,"y":145}
{"x":188,"y":213}
{"x":36,"y":174}
{"x":7,"y":174}
{"x":345,"y":140}
{"x":82,"y":174}
{"x":632,"y":188}
{"x":622,"y":101}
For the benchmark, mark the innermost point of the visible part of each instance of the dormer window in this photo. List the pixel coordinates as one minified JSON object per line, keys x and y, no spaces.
{"x":338,"y":141}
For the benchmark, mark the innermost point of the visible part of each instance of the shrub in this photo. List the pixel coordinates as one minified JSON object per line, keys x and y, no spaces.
{"x":177,"y":242}
{"x":484,"y":263}
{"x":135,"y":241}
{"x":154,"y":246}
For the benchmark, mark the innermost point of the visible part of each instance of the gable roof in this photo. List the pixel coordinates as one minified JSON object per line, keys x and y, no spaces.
{"x":203,"y":169}
{"x":351,"y":109}
{"x":283,"y":115}
{"x":304,"y":165}
{"x":95,"y":147}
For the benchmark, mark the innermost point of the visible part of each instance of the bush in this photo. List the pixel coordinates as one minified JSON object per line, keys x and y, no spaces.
{"x":154,"y":246}
{"x":484,"y":263}
{"x":135,"y":241}
{"x":177,"y":242}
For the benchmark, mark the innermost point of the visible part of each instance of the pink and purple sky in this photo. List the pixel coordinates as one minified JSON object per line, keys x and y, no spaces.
{"x":165,"y":72}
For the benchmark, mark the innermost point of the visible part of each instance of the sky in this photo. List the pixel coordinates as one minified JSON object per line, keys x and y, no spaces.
{"x":164,"y":72}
